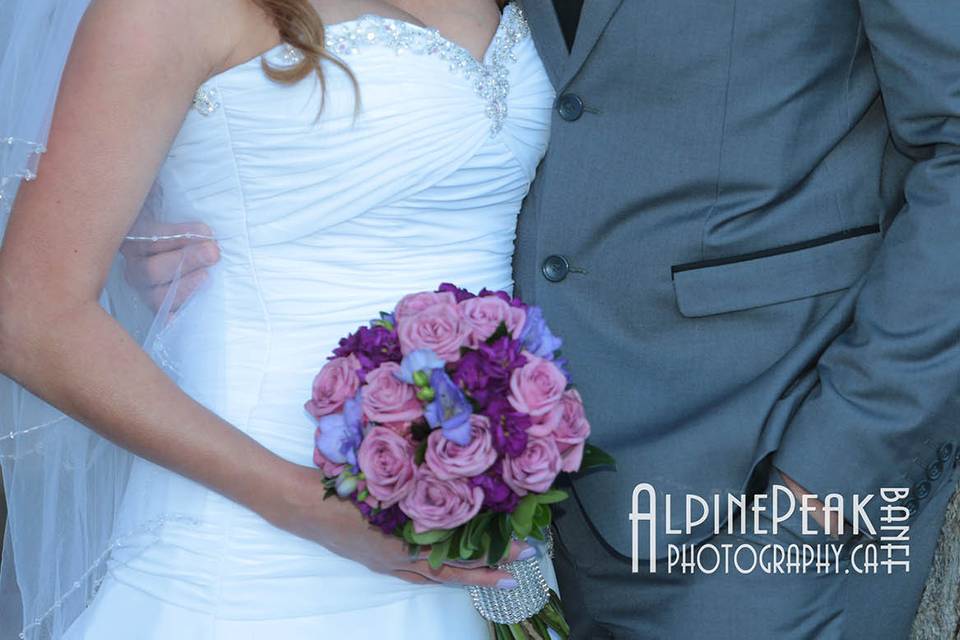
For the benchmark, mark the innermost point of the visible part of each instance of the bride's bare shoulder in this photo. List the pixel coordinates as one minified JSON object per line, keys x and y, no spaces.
{"x":198,"y":38}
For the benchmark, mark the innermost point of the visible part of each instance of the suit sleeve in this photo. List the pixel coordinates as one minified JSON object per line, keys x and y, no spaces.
{"x":886,"y":412}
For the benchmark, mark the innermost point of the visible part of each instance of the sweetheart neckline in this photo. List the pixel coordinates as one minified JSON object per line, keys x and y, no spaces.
{"x":345,"y":25}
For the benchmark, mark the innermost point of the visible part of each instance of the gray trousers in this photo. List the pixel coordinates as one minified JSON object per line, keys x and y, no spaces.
{"x":604,"y":600}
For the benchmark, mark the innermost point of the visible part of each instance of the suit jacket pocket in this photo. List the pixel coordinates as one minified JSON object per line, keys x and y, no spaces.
{"x":825,"y":264}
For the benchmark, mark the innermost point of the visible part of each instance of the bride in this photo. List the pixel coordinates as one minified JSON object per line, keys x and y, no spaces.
{"x":339,"y":155}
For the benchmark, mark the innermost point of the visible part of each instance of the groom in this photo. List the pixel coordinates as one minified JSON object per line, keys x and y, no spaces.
{"x":747,"y":228}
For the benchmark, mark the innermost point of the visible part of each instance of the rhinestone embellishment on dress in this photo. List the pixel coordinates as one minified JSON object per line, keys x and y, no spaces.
{"x":491,"y":80}
{"x":206,"y":100}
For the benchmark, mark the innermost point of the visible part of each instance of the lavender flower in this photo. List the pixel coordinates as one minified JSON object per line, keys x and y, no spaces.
{"x":450,"y":409}
{"x":420,"y":360}
{"x":537,"y":337}
{"x":339,"y":435}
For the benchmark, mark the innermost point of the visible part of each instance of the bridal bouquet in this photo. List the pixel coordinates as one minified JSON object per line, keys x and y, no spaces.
{"x":446,"y":422}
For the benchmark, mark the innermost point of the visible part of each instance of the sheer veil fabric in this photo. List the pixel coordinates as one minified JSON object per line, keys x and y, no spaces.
{"x":63,"y":482}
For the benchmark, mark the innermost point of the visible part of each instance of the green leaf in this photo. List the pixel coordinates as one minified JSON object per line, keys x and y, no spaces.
{"x":479,"y":526}
{"x":427,"y":537}
{"x":501,"y":332}
{"x":329,"y":493}
{"x":421,"y":453}
{"x":420,"y":430}
{"x":438,"y":553}
{"x":551,"y":497}
{"x":453,"y":547}
{"x":542,"y":518}
{"x":518,"y":633}
{"x":502,"y":631}
{"x":594,"y":456}
{"x":522,"y":516}
{"x":499,"y":542}
{"x":469,"y":542}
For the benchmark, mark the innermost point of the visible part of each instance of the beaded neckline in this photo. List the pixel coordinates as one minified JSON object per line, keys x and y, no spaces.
{"x":489,"y":76}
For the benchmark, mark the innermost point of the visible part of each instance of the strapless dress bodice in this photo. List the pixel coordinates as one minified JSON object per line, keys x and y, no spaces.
{"x":328,"y":206}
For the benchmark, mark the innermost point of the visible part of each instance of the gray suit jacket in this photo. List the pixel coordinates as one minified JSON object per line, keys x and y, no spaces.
{"x":747,"y":229}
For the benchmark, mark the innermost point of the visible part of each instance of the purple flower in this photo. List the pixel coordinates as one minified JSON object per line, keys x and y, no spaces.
{"x":372,"y":346}
{"x":450,"y":409}
{"x":537,"y":337}
{"x":503,"y":357}
{"x":503,"y":295}
{"x":458,"y":293}
{"x":387,"y":520}
{"x":419,"y":360}
{"x":473,"y":372}
{"x":338,"y":435}
{"x":497,"y":495}
{"x":485,"y":372}
{"x":508,"y":426}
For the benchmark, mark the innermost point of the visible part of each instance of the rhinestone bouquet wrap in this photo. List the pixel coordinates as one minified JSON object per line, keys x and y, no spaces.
{"x":446,"y":422}
{"x":528,"y":599}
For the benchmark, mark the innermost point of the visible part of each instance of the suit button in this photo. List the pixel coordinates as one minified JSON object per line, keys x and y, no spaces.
{"x":570,"y":107}
{"x":935,"y":470}
{"x":944,"y":452}
{"x":555,"y":268}
{"x":922,"y":490}
{"x":911,"y":506}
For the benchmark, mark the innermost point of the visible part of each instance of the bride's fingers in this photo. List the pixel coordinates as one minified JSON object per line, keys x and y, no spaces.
{"x":186,"y":287}
{"x":413,"y":576}
{"x":163,"y":268}
{"x":521,"y":551}
{"x":157,"y":238}
{"x":480,"y":577}
{"x":518,"y":551}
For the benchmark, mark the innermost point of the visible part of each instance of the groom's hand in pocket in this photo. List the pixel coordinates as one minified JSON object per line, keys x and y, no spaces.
{"x":180,"y":255}
{"x":829,"y":523}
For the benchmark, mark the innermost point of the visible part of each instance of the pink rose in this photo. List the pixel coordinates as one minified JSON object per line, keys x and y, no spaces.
{"x":329,"y":469}
{"x":387,"y":399}
{"x":543,"y":426}
{"x":386,"y":460}
{"x":449,"y":460}
{"x":439,"y":328}
{"x":336,"y":383}
{"x":572,"y":431}
{"x":440,"y":504}
{"x":535,"y":469}
{"x":414,"y":303}
{"x":484,"y":316}
{"x":536,"y":387}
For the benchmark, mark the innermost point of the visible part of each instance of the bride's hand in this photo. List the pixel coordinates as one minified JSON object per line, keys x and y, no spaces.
{"x":338,"y":526}
{"x":183,"y":254}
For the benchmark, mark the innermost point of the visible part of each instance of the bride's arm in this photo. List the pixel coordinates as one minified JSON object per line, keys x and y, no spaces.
{"x":126,"y":89}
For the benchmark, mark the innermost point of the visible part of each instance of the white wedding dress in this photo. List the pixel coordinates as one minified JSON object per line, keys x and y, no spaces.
{"x":322,"y":223}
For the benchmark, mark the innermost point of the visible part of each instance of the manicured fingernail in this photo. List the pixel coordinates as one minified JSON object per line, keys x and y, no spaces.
{"x":506,"y":584}
{"x":211,"y":254}
{"x":529,"y":552}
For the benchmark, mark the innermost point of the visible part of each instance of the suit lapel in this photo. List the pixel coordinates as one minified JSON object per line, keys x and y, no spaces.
{"x":547,"y":35}
{"x":594,"y":19}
